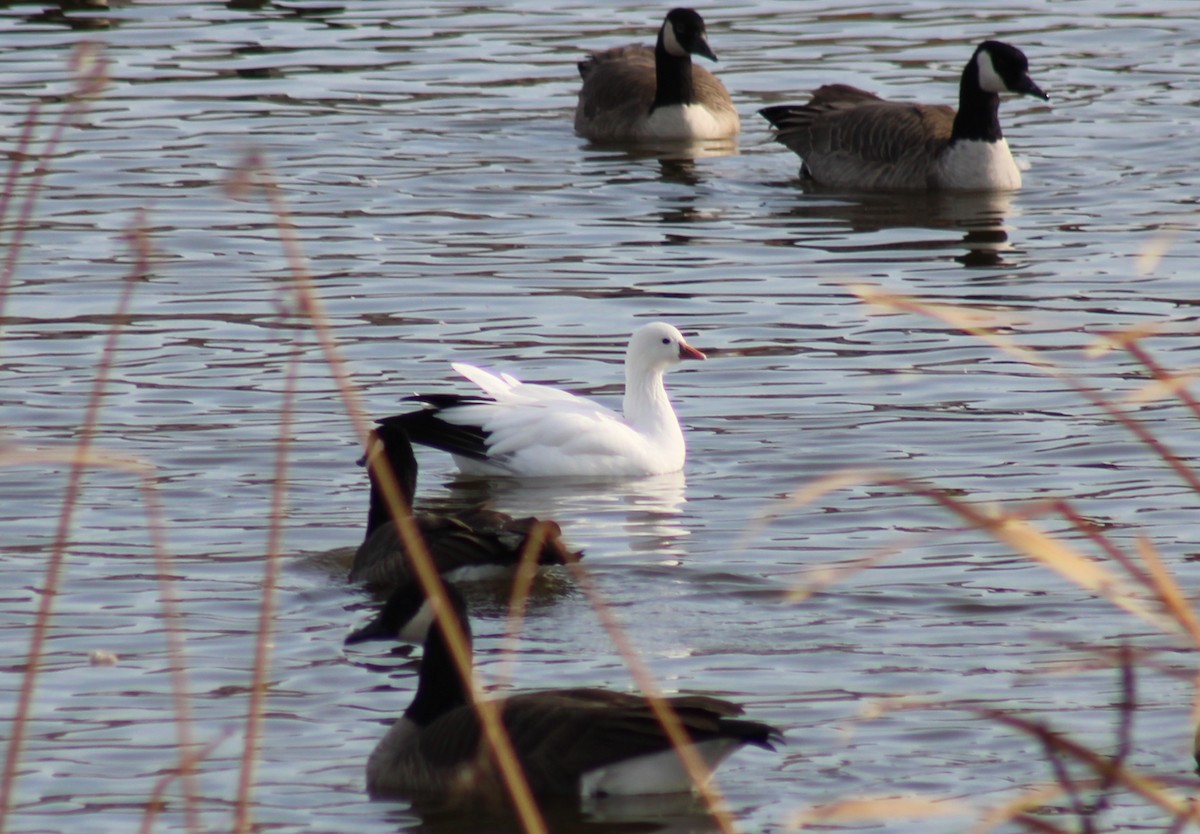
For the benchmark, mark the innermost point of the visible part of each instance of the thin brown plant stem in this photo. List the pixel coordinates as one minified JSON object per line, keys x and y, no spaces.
{"x":172,"y":619}
{"x":266,"y":611}
{"x":693,"y":763}
{"x":255,"y":169}
{"x":1139,"y":352}
{"x":518,"y":600}
{"x":1178,"y":824}
{"x":1168,"y":591}
{"x":498,"y":742}
{"x":91,"y":70}
{"x":1040,"y":826}
{"x":187,"y":764}
{"x":1126,"y":710}
{"x":427,"y":575}
{"x":1069,"y":787}
{"x":1089,"y":530}
{"x":255,"y":172}
{"x":955,"y":318}
{"x":139,"y":242}
{"x":1024,"y":539}
{"x":58,"y":550}
{"x":1145,"y":787}
{"x":19,"y":154}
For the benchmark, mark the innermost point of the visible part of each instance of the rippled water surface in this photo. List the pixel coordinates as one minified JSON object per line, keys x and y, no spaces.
{"x":425,"y":153}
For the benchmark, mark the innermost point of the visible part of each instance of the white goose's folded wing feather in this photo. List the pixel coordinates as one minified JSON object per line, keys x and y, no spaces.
{"x":539,"y":420}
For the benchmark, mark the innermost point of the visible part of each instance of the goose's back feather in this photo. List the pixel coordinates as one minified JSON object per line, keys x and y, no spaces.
{"x":849,"y":138}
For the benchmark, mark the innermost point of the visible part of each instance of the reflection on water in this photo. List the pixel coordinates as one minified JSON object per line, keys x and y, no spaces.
{"x":612,"y":815}
{"x":979,"y":217}
{"x":641,"y":515}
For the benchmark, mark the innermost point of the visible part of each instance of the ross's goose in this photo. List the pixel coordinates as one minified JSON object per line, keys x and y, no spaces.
{"x":569,"y":742}
{"x":471,"y":544}
{"x":526,"y":430}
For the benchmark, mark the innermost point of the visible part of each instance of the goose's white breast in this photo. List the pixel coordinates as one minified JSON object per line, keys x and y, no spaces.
{"x":977,"y":165}
{"x":685,"y":121}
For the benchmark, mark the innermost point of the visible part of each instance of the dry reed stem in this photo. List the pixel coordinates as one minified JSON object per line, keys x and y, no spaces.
{"x":139,"y":241}
{"x":172,"y":618}
{"x":1013,"y":529}
{"x":266,"y":612}
{"x":693,"y":763}
{"x":1108,"y":770}
{"x":1168,"y":382}
{"x":967,"y":320}
{"x":1168,"y":591}
{"x":58,"y":554}
{"x":875,"y":809}
{"x":254,"y":173}
{"x":518,"y":600}
{"x":90,"y":68}
{"x":189,"y":762}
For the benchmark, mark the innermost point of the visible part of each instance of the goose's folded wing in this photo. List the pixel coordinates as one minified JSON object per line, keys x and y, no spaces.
{"x":881,"y":132}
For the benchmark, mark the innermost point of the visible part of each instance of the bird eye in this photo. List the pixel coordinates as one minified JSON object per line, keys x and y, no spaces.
{"x":666,"y":340}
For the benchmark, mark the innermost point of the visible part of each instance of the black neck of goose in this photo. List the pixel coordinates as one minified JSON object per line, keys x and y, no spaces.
{"x":673,"y":77}
{"x":978,"y":110}
{"x":440,"y":688}
{"x":404,"y":467}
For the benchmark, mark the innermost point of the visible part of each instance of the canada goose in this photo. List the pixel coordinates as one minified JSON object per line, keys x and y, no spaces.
{"x":849,"y":138}
{"x":570,"y":742}
{"x":634,"y":93}
{"x":526,"y":430}
{"x":468,"y":544}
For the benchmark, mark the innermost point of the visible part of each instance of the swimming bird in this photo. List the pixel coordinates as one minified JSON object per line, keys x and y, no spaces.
{"x":470,"y":544}
{"x":635,"y":93}
{"x":569,"y":742}
{"x":527,"y":430}
{"x":850,"y":138}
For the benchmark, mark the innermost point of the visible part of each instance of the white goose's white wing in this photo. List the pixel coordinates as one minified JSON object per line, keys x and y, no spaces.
{"x":539,"y":430}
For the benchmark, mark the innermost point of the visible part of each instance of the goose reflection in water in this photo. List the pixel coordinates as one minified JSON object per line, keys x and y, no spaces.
{"x":645,"y":514}
{"x":980,"y":218}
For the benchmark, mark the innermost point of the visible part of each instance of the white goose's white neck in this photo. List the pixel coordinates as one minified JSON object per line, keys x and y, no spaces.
{"x":648,"y":410}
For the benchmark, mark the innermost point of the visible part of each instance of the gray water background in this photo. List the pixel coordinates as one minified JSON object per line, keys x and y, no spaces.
{"x":449,"y":213}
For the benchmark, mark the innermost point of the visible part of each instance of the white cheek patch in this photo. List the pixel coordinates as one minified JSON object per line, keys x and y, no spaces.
{"x":989,"y":80}
{"x":415,"y":629}
{"x":671,"y":41}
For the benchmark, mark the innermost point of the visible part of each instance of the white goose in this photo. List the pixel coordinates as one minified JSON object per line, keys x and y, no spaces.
{"x":526,"y":430}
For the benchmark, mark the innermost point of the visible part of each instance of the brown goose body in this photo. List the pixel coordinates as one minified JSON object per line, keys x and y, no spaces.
{"x":637,"y":93}
{"x":850,"y":138}
{"x":476,"y":541}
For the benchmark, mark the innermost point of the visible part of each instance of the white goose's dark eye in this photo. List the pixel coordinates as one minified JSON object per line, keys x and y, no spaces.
{"x":666,"y":340}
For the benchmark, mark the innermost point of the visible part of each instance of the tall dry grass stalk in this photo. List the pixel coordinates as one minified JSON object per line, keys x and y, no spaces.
{"x":1138,"y":582}
{"x":89,"y":68}
{"x":254,"y":174}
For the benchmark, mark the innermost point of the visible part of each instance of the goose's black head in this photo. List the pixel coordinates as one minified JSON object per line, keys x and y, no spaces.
{"x":1002,"y":68}
{"x":683,"y":34}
